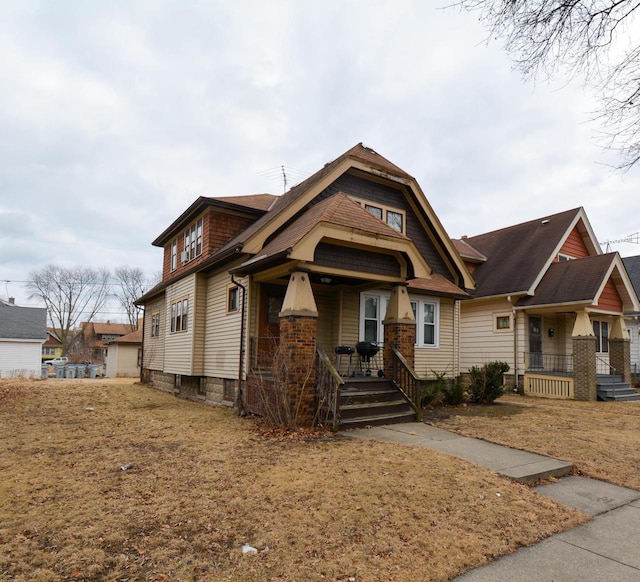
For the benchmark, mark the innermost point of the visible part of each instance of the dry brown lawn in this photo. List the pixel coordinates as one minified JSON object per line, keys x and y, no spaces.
{"x":205,"y":482}
{"x":601,"y":439}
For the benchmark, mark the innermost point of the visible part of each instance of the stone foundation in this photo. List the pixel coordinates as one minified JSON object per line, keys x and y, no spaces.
{"x":208,"y":390}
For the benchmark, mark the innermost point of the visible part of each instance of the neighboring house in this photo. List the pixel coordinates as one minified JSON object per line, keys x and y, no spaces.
{"x":632,"y":265}
{"x":550,"y":304}
{"x":353,"y":254}
{"x":22,"y":333}
{"x":96,"y":337}
{"x":52,"y":347}
{"x":124,"y":355}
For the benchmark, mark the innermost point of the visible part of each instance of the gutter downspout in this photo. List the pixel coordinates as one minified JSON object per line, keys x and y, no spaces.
{"x":240,"y":397}
{"x":514,"y":316}
{"x":144,"y":314}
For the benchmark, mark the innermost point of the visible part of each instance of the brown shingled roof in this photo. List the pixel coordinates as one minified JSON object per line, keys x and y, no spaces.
{"x":256,"y":201}
{"x":135,"y":337}
{"x":437,"y":285}
{"x":517,"y":254}
{"x":574,"y":281}
{"x":467,"y":251}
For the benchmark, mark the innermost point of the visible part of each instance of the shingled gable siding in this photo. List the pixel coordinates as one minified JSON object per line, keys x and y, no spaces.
{"x":356,"y":260}
{"x":153,"y":357}
{"x":218,"y":228}
{"x":222,"y":330}
{"x":609,"y":298}
{"x":392,"y":197}
{"x":574,"y":246}
{"x":179,"y":345}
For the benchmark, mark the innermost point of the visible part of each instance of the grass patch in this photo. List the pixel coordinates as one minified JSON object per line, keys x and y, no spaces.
{"x":601,"y":439}
{"x":204,"y":482}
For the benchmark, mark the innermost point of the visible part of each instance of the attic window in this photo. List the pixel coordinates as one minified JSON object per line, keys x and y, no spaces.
{"x":562,"y":258}
{"x":394,"y":217}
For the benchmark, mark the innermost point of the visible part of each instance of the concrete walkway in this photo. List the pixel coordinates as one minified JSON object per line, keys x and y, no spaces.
{"x":604,"y":549}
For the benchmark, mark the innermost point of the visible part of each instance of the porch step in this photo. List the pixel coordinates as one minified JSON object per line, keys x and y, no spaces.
{"x":372,"y":401}
{"x":613,"y":387}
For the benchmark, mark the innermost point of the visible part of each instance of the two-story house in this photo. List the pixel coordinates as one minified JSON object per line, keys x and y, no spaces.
{"x":350,"y":271}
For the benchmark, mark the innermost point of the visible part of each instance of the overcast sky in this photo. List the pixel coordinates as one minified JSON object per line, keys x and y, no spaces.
{"x":115,"y":116}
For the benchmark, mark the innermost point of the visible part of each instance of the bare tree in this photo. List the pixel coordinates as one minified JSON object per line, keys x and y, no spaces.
{"x":130,"y":284}
{"x":68,"y":294}
{"x":599,"y":39}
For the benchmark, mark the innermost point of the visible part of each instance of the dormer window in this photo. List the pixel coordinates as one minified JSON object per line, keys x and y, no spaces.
{"x":193,"y":241}
{"x":394,"y":217}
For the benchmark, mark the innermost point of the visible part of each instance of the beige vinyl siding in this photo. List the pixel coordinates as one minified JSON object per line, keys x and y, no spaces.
{"x":153,"y":355}
{"x":122,"y":360}
{"x":440,"y":359}
{"x":199,"y":317}
{"x":327,"y":313}
{"x":479,"y":342}
{"x":350,"y":318}
{"x":222,"y":329}
{"x":179,"y":345}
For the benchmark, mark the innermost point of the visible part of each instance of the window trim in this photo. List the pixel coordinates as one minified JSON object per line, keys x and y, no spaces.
{"x":498,"y":316}
{"x":155,"y":324}
{"x":384,"y":209}
{"x":418,"y":300}
{"x":193,"y":240}
{"x":180,"y":315}
{"x":602,"y":339}
{"x":173,"y":265}
{"x":236,"y":290}
{"x":564,"y":257}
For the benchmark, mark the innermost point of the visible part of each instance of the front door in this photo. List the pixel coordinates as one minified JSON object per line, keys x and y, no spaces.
{"x":535,"y":342}
{"x":271,"y":298}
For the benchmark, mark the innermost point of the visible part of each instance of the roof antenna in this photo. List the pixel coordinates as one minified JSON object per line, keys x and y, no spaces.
{"x":284,"y":180}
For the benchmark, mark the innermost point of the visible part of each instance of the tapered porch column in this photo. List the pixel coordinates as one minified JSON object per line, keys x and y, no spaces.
{"x":620,"y":349}
{"x":584,"y":358}
{"x":399,"y":329}
{"x":298,"y":327}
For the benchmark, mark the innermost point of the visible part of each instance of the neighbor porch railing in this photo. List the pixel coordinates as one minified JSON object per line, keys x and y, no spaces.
{"x":549,"y":375}
{"x":328,"y":386}
{"x":549,"y":363}
{"x":407,"y":381}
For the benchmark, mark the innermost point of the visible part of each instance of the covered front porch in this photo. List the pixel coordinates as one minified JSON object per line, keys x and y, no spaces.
{"x":582,"y":355}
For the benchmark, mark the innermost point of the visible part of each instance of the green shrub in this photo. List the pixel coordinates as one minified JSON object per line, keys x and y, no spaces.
{"x":454,"y":393}
{"x":486,"y":383}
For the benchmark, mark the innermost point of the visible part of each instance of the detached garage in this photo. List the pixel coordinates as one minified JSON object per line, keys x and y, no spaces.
{"x":23,"y":330}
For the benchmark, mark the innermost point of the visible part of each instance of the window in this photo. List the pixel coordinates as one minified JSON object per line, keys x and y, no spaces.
{"x":49,"y":351}
{"x":562,"y":258}
{"x":394,"y":217}
{"x":155,"y":325}
{"x":174,"y":255}
{"x":601,"y":331}
{"x":232,"y":299}
{"x":502,"y":322}
{"x":228,"y":390}
{"x":193,"y":241}
{"x":179,"y":312}
{"x":426,"y":311}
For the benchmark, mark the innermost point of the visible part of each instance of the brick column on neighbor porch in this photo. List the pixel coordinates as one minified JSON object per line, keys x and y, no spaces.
{"x":399,"y":329}
{"x":620,"y":349}
{"x":584,"y":358}
{"x":298,"y":328}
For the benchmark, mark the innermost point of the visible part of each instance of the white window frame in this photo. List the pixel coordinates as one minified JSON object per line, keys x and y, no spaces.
{"x":180,"y":315}
{"x":155,"y":324}
{"x":235,"y":291}
{"x":562,"y":257}
{"x":193,"y":240}
{"x":602,"y":339}
{"x":174,"y":254}
{"x":419,"y":301}
{"x":496,"y":317}
{"x":369,"y":205}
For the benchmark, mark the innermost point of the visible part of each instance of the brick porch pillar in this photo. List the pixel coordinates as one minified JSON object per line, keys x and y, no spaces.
{"x":399,"y":329}
{"x":298,"y":327}
{"x":584,"y":358}
{"x":620,"y":349}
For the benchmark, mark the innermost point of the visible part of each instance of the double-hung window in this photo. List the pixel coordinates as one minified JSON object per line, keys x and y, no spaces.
{"x":193,"y":241}
{"x":426,"y":310}
{"x":179,"y":313}
{"x":155,"y":325}
{"x":174,"y":254}
{"x":601,"y":331}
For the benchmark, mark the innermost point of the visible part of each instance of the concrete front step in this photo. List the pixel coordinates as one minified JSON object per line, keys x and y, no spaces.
{"x":398,"y":406}
{"x":377,"y":420}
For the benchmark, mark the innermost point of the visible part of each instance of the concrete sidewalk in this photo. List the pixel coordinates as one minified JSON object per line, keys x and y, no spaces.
{"x":604,"y":549}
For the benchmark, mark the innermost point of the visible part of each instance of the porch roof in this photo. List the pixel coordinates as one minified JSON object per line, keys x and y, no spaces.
{"x":575,"y":281}
{"x":437,"y":285}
